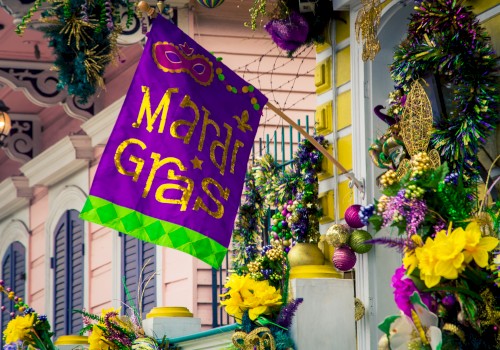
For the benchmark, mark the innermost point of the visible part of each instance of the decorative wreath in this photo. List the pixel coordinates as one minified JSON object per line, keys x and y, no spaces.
{"x":446,"y":40}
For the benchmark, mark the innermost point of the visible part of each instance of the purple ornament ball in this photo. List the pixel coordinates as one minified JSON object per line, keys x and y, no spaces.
{"x":344,"y":258}
{"x":351,"y":216}
{"x":448,"y":300}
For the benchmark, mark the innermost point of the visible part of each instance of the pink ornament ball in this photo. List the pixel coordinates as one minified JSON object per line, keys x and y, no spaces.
{"x":344,"y":258}
{"x":351,"y":216}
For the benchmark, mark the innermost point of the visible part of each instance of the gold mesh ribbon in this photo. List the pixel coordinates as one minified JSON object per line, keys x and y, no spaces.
{"x":416,"y":127}
{"x":260,"y":339}
{"x":366,"y":25}
{"x":455,"y":330}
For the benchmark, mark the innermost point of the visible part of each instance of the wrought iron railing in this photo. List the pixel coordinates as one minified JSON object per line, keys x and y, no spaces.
{"x":283,"y":156}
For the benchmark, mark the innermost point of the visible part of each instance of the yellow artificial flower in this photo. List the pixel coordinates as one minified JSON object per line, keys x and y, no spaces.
{"x":442,"y":256}
{"x":476,"y":246}
{"x":98,"y":341}
{"x":449,"y":252}
{"x":426,"y":263}
{"x":410,"y":260}
{"x":233,"y":305}
{"x":19,"y":328}
{"x":246,"y":294}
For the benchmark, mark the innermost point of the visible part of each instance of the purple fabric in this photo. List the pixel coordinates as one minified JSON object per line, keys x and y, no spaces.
{"x":174,"y":62}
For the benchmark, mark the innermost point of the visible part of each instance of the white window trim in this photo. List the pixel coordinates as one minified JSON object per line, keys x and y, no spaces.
{"x":362,"y":133}
{"x":17,"y":231}
{"x":71,"y":197}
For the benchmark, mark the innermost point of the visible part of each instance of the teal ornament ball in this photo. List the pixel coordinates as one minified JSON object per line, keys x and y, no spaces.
{"x":211,"y":4}
{"x":357,"y":239}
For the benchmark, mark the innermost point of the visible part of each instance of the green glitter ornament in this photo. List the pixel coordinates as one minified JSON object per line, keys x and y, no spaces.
{"x":357,"y":241}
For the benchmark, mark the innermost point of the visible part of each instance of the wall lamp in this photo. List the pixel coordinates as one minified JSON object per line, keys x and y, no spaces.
{"x":5,"y":124}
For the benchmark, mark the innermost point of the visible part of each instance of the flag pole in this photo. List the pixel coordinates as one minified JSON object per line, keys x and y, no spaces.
{"x":359,"y":185}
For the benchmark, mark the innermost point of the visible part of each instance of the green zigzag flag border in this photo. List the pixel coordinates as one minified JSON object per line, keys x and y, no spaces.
{"x":150,"y":229}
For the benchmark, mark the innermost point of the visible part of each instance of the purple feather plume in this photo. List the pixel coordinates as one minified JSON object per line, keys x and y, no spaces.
{"x":399,"y":243}
{"x":384,"y":117}
{"x":286,"y":314}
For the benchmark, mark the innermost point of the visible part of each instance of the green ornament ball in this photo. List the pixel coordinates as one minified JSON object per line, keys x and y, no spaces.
{"x":357,"y":239}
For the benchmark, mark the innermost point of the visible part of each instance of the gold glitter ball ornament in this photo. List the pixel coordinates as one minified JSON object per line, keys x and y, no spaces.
{"x":337,"y":235}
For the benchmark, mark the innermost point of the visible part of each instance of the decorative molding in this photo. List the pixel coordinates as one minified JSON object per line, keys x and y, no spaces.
{"x":323,"y":76}
{"x":326,"y":165}
{"x":24,"y":141}
{"x":40,"y":85}
{"x":324,"y":118}
{"x":342,"y":5}
{"x":17,"y":230}
{"x":16,"y":8}
{"x":490,"y":13}
{"x":15,"y":193}
{"x":59,"y":161}
{"x":327,"y":202}
{"x":100,"y":126}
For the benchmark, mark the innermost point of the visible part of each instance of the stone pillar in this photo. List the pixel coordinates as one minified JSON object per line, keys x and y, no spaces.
{"x":325,"y":319}
{"x":171,"y":322}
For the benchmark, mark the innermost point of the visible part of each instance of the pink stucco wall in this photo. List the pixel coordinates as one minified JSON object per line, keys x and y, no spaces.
{"x":37,"y":255}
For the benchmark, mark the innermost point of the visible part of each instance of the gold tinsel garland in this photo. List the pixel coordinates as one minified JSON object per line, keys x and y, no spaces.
{"x":366,"y":25}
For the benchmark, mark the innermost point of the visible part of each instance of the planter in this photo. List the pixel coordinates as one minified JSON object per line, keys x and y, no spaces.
{"x":305,"y":254}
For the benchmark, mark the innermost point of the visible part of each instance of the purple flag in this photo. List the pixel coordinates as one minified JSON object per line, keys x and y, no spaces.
{"x":173,"y":169}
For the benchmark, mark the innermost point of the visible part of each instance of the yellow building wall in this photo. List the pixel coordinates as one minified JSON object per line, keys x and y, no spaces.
{"x":333,"y":119}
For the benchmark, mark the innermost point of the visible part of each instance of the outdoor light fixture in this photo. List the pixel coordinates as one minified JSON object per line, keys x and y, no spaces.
{"x":5,"y":124}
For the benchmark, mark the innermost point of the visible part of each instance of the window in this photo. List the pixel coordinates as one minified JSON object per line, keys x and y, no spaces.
{"x":136,"y":254}
{"x":14,"y":276}
{"x":68,"y":274}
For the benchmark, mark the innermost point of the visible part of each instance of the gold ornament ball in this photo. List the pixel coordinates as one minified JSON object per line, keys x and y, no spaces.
{"x":143,"y":6}
{"x":337,"y":235}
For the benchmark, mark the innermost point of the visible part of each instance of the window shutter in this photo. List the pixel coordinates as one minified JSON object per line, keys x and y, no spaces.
{"x":60,"y":291}
{"x":68,"y":274}
{"x":14,"y":276}
{"x":149,"y":297}
{"x":135,"y":255}
{"x":76,"y":275}
{"x":6,"y":276}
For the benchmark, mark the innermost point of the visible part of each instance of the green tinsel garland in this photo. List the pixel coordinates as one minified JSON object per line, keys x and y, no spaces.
{"x":445,"y":39}
{"x":83,"y":36}
{"x":249,"y":224}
